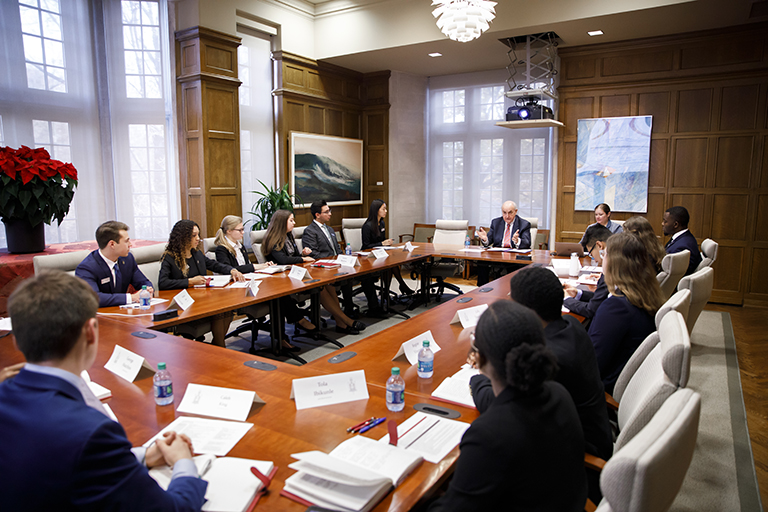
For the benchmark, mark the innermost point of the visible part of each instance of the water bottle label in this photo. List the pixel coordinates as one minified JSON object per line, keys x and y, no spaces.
{"x":163,"y":391}
{"x":425,"y":366}
{"x":144,"y":301}
{"x":395,"y":396}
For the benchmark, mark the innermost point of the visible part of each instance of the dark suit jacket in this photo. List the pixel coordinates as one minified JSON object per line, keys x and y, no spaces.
{"x":60,"y":454}
{"x":587,"y":304}
{"x":683,"y":242}
{"x":171,"y":277}
{"x":522,"y":454}
{"x":288,"y":255}
{"x":579,"y":374}
{"x":616,"y":331}
{"x":95,"y":271}
{"x":496,"y":232}
{"x":372,"y":237}
{"x":315,"y":239}
{"x":224,"y":256}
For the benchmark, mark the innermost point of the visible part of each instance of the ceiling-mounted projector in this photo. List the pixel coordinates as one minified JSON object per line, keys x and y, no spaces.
{"x":529,"y":108}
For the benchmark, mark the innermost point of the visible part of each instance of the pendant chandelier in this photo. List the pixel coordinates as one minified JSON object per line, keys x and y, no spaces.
{"x":463,"y":20}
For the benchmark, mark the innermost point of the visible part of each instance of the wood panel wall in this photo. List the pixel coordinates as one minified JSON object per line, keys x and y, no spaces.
{"x":708,"y":95}
{"x":314,"y":97}
{"x":209,"y":126}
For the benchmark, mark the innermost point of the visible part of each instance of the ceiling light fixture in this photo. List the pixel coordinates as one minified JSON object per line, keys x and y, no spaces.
{"x":595,"y":32}
{"x":463,"y":20}
{"x":435,"y":54}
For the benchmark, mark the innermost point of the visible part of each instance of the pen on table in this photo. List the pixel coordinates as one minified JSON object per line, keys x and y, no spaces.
{"x":370,"y":426}
{"x":361,"y":424}
{"x":368,"y":422}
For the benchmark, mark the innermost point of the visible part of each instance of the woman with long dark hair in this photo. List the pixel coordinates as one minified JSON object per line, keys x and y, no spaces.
{"x":373,"y":234}
{"x":279,"y":246}
{"x":642,"y":229}
{"x":182,"y":266}
{"x":529,"y":441}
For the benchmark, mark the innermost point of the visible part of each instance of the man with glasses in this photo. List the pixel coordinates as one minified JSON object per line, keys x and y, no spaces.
{"x":111,"y":268}
{"x":585,"y":303}
{"x":507,"y":231}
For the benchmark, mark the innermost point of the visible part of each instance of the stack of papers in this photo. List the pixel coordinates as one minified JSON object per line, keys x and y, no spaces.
{"x":213,"y":437}
{"x":455,"y":389}
{"x":273,"y":269}
{"x":428,"y":435}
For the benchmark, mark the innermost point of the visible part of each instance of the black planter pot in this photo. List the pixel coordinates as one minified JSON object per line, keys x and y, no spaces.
{"x":23,"y":238}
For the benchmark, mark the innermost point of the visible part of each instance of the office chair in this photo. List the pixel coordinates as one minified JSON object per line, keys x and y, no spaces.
{"x":700,"y":284}
{"x":673,"y":268}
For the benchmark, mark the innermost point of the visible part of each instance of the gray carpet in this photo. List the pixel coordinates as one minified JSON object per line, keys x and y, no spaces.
{"x":722,"y":473}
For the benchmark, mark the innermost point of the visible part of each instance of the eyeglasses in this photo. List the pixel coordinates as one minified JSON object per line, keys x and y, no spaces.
{"x":472,"y":346}
{"x":242,"y":230}
{"x":326,"y":211}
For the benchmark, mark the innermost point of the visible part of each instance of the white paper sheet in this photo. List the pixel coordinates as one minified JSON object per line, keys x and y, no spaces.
{"x":430,"y":436}
{"x":216,"y":437}
{"x":227,"y":403}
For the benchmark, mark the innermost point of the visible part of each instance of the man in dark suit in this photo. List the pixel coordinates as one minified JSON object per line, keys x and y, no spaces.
{"x":321,"y":239}
{"x":60,"y":450}
{"x":508,"y":231}
{"x":111,"y":268}
{"x":675,"y":224}
{"x":585,"y":302}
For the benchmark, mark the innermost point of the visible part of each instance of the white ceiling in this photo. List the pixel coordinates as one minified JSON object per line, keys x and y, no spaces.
{"x":624,"y":20}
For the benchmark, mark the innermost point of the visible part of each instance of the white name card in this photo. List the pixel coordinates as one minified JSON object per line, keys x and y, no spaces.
{"x":379,"y":253}
{"x":226,"y":403}
{"x":252,"y":289}
{"x":347,"y":261}
{"x":409,"y":246}
{"x":297,"y":272}
{"x":411,"y":347}
{"x":126,"y":364}
{"x":337,"y":388}
{"x":183,"y":299}
{"x":469,"y":316}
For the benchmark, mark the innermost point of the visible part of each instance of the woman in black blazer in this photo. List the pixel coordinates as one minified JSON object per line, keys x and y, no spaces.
{"x":529,"y":441}
{"x":373,"y":234}
{"x":182,"y":266}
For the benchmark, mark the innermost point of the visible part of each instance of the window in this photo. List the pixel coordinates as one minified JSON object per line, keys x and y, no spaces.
{"x":453,"y":106}
{"x":141,"y":43}
{"x":148,"y":179}
{"x":533,"y":170}
{"x":492,"y":103}
{"x":491,"y":178}
{"x":244,"y":74}
{"x":41,"y":30}
{"x":453,"y":180}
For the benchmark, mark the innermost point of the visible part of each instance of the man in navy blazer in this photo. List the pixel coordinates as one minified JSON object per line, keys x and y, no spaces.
{"x":675,"y":224}
{"x":111,"y":268}
{"x":60,"y":450}
{"x":509,"y":230}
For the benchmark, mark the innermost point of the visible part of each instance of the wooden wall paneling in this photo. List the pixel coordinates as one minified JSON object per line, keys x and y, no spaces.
{"x":739,"y":107}
{"x":574,"y":109}
{"x":735,"y":157}
{"x":689,"y":164}
{"x":658,"y":105}
{"x":615,"y":105}
{"x":657,"y":168}
{"x":761,"y":226}
{"x":695,"y":204}
{"x":759,"y":273}
{"x":726,"y":209}
{"x":694,"y":110}
{"x":728,"y":274}
{"x":333,"y":122}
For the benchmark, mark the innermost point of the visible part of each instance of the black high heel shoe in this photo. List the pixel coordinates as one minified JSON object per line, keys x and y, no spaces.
{"x":405,"y":290}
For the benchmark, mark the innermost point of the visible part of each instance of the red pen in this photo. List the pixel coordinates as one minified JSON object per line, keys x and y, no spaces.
{"x":361,"y":425}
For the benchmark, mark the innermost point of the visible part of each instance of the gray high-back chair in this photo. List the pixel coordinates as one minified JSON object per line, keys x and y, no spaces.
{"x":680,"y":302}
{"x":700,"y":284}
{"x":257,"y":237}
{"x":352,"y":229}
{"x":298,"y":232}
{"x":534,"y":230}
{"x":209,"y":248}
{"x":673,"y":268}
{"x":66,"y":262}
{"x":709,"y":253}
{"x":148,"y":260}
{"x":448,"y":232}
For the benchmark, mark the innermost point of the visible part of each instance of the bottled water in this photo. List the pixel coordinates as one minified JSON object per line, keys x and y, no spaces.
{"x":163,"y":386}
{"x":144,"y":297}
{"x":426,"y":361}
{"x":348,"y":252}
{"x":575,"y":265}
{"x":467,"y":242}
{"x":395,"y":391}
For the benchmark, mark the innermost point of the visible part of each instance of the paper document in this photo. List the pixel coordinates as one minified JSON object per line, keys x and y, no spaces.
{"x":520,"y":251}
{"x":216,"y":437}
{"x":475,"y":248}
{"x":469,"y":316}
{"x":273,"y":269}
{"x":5,"y":324}
{"x":227,"y":403}
{"x":152,"y":302}
{"x":411,"y":347}
{"x":456,"y":387}
{"x":430,"y":436}
{"x":590,"y":268}
{"x":253,"y":275}
{"x":126,"y":364}
{"x":97,"y":389}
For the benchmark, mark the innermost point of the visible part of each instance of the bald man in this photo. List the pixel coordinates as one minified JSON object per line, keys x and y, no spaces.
{"x":509,"y":231}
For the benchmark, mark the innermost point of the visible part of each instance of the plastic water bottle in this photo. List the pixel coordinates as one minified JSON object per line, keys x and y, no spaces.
{"x":574,"y":267}
{"x":467,"y":242}
{"x":145,"y":297}
{"x":395,"y":391}
{"x":348,"y":251}
{"x":163,"y":386}
{"x":426,"y":361}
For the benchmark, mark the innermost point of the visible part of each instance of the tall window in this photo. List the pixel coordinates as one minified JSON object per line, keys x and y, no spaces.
{"x":54,"y":137}
{"x":495,"y":164}
{"x":141,"y":43}
{"x":43,"y":45}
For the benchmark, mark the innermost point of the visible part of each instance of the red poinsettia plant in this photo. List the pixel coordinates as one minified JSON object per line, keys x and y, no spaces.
{"x":33,"y":186}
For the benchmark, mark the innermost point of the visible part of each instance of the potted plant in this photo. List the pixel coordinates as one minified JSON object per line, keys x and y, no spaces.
{"x":34,"y":189}
{"x":271,"y":200}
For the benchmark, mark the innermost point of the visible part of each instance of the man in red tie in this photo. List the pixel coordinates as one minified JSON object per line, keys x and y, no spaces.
{"x":507,"y":231}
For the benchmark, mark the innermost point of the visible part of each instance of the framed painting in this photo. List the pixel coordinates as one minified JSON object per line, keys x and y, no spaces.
{"x":612,"y":161}
{"x":325,"y":167}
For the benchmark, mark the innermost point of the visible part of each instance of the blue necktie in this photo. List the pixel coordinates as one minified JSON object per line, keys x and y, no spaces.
{"x":118,"y":276}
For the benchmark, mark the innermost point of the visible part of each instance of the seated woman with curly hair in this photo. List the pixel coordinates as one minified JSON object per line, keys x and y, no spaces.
{"x":642,"y":229}
{"x":182,"y":266}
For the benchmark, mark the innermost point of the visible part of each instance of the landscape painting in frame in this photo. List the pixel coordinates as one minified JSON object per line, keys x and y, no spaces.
{"x":612,"y":161}
{"x":324,"y":167}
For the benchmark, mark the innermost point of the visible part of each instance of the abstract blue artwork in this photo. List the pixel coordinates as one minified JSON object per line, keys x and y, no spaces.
{"x":325,"y":167}
{"x":612,"y":160}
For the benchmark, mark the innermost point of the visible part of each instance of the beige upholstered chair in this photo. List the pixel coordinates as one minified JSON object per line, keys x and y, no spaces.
{"x":257,"y":237}
{"x":673,"y":268}
{"x":148,"y":260}
{"x":66,"y":262}
{"x":700,"y":285}
{"x":647,"y":473}
{"x":209,"y":248}
{"x":534,"y":230}
{"x":680,"y":302}
{"x":298,"y":232}
{"x":709,"y":253}
{"x":448,"y":232}
{"x":352,"y":229}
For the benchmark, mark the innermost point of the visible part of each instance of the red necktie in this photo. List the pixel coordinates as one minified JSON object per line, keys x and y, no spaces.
{"x":507,"y":237}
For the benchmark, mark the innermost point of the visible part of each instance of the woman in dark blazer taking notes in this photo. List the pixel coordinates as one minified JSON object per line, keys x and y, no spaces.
{"x":182,"y":266}
{"x":229,"y":246}
{"x":526,"y":451}
{"x":373,"y":233}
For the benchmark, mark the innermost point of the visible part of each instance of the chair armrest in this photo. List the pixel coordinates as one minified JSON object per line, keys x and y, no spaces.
{"x":589,"y":506}
{"x":406,"y":234}
{"x":429,"y":239}
{"x":611,"y":402}
{"x":593,"y":462}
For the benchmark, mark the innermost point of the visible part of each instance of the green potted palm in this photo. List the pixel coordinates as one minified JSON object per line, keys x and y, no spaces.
{"x":34,"y":189}
{"x":271,"y":200}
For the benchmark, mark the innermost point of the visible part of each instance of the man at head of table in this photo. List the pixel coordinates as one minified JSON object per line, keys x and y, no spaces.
{"x":508,"y":231}
{"x":111,"y":269}
{"x":60,"y":450}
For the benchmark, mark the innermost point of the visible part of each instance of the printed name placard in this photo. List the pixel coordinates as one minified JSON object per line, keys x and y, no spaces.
{"x":297,"y":272}
{"x":252,"y":289}
{"x":347,"y":261}
{"x":379,"y":253}
{"x":469,"y":316}
{"x":226,"y":403}
{"x":126,"y":364}
{"x":409,"y":246}
{"x":337,"y":388}
{"x":183,"y":299}
{"x":411,"y":347}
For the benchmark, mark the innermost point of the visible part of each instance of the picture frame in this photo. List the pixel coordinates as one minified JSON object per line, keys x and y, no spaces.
{"x":326,"y":167}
